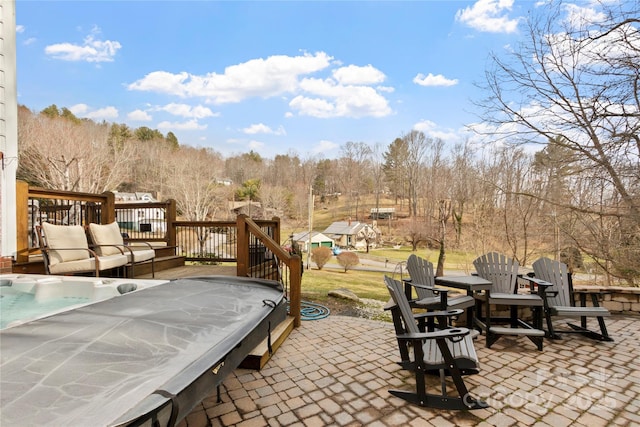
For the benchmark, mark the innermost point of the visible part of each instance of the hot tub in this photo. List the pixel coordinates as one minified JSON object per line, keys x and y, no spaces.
{"x":146,"y":357}
{"x":26,"y":297}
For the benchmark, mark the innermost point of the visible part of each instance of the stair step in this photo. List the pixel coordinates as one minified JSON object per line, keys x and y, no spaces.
{"x":259,"y":356}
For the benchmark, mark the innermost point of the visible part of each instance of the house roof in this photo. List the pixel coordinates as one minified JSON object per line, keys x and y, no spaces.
{"x":316,"y":236}
{"x":344,"y":228}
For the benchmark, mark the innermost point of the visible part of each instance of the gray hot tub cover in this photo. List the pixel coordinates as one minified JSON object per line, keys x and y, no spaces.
{"x":104,"y":364}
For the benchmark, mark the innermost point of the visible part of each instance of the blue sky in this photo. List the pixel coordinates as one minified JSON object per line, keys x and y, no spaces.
{"x":273,"y":77}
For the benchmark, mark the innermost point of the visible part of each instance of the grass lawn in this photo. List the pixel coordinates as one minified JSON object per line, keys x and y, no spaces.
{"x":316,"y":284}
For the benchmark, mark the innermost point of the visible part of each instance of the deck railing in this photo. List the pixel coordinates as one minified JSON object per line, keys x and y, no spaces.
{"x":253,"y":244}
{"x":37,"y":205}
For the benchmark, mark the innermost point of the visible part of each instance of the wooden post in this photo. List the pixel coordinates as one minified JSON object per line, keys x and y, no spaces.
{"x":295,"y":278}
{"x":242,"y":255}
{"x":22,"y":221}
{"x":171,"y":216}
{"x":276,"y":229}
{"x":108,"y":211}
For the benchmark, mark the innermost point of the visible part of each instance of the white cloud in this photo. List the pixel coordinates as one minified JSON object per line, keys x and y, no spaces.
{"x":139,"y":116}
{"x":603,"y":51}
{"x":355,"y":75}
{"x":29,"y":41}
{"x":578,"y":16}
{"x":489,"y":16}
{"x":260,"y":77}
{"x":312,"y":107}
{"x":106,"y":113}
{"x":188,"y":125}
{"x":184,"y":110}
{"x":162,"y":82}
{"x":255,"y":145}
{"x":324,"y":146}
{"x":83,"y":110}
{"x":20,"y":29}
{"x":328,"y":99}
{"x":433,"y":130}
{"x":431,"y":80}
{"x":79,"y":109}
{"x":91,"y":50}
{"x":264,"y":129}
{"x":347,"y":93}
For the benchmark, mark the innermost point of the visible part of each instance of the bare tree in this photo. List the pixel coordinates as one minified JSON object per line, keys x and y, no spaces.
{"x":395,"y":159}
{"x":575,"y":80}
{"x":416,"y":150}
{"x":194,"y":186}
{"x":377,"y":172}
{"x":68,"y":154}
{"x":347,"y":260}
{"x":463,"y":186}
{"x":352,"y":172}
{"x":415,"y":233}
{"x":321,"y":255}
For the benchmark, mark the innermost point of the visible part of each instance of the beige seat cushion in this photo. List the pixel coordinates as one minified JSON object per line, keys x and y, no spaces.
{"x":106,"y":234}
{"x":72,"y":238}
{"x":139,"y":254}
{"x":71,"y":267}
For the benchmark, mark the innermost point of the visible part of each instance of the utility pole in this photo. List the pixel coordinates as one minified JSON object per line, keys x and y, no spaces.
{"x":310,"y":226}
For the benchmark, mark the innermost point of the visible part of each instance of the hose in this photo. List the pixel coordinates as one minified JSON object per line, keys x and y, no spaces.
{"x":313,"y":311}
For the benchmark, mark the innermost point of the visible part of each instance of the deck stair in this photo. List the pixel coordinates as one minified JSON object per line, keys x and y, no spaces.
{"x":259,"y":356}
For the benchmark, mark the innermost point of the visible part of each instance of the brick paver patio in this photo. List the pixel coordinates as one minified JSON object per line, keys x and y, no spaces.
{"x":337,"y":372}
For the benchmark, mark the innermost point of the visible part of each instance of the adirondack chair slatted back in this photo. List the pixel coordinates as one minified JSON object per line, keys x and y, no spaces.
{"x":421,"y":272}
{"x":500,"y":270}
{"x":395,"y":289}
{"x":557,"y":273}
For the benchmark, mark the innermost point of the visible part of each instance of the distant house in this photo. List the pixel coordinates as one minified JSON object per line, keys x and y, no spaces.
{"x":250,"y":208}
{"x":352,"y":234}
{"x":317,"y":239}
{"x":137,"y":197}
{"x":382,"y":213}
{"x":138,"y":218}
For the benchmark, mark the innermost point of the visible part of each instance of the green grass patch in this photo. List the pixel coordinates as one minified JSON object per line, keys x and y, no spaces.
{"x":365,"y":284}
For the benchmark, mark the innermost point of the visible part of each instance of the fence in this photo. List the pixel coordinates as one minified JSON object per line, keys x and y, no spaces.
{"x":253,"y":244}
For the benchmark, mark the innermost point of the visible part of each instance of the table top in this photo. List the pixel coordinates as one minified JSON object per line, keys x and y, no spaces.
{"x":470,"y":283}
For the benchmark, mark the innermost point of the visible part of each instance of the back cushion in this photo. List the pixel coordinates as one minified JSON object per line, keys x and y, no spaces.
{"x":65,"y":236}
{"x":107,"y":234}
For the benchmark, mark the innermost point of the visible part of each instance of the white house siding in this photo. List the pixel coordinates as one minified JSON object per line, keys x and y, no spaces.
{"x":8,"y":129}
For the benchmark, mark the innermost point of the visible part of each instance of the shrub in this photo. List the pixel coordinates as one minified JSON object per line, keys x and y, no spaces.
{"x":348,"y":260}
{"x":321,"y":255}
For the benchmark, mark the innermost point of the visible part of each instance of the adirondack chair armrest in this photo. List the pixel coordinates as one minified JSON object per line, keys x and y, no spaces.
{"x":427,"y":320}
{"x":541,"y":285}
{"x":443,"y":293}
{"x":440,"y":313}
{"x":439,"y":334}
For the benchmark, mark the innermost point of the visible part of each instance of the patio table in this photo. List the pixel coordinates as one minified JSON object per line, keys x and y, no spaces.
{"x":471,"y":284}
